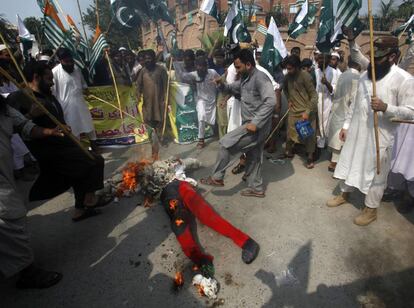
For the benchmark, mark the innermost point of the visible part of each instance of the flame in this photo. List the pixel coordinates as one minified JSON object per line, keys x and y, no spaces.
{"x":179,"y":279}
{"x":173,"y":204}
{"x":195,"y":268}
{"x":129,"y":176}
{"x":179,"y":222}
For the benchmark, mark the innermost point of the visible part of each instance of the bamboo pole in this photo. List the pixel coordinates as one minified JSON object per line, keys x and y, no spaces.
{"x":277,"y":126}
{"x":112,"y":105}
{"x":64,"y":129}
{"x":323,"y":99}
{"x":118,"y":98}
{"x":167,"y":96}
{"x":374,"y":85}
{"x":97,"y":13}
{"x":402,"y":121}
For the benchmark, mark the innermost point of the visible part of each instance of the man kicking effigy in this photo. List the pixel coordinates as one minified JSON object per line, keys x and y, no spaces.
{"x":167,"y":181}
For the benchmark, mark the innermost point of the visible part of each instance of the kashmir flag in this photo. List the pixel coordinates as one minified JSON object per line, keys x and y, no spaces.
{"x":261,"y":28}
{"x":210,"y":8}
{"x":80,"y":43}
{"x":326,"y":27}
{"x":303,"y":19}
{"x":274,"y":49}
{"x":408,"y":27}
{"x":347,"y":16}
{"x":57,"y":35}
{"x":99,"y":45}
{"x":26,"y":39}
{"x":234,"y":25}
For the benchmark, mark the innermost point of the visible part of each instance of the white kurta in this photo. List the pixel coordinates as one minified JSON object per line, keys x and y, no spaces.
{"x":324,"y":101}
{"x":68,"y":89}
{"x":357,"y":163}
{"x":233,"y":104}
{"x":345,"y":92}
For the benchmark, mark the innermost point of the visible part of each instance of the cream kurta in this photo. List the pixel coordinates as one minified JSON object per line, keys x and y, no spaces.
{"x":325,"y":101}
{"x":357,"y":163}
{"x":345,"y":92}
{"x":68,"y":89}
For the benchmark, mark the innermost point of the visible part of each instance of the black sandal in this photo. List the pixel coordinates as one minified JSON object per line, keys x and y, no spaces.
{"x":103,"y":200}
{"x":238,"y":169}
{"x":87,"y":213}
{"x":38,"y":278}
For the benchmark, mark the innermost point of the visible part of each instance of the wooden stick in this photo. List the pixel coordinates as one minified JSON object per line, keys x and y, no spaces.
{"x":9,"y":77}
{"x":323,"y":103}
{"x":374,"y":85}
{"x":402,"y":121}
{"x":42,"y":107}
{"x":287,"y":39}
{"x":167,"y":96}
{"x":97,"y":13}
{"x":112,"y":105}
{"x":115,"y":85}
{"x":277,"y":126}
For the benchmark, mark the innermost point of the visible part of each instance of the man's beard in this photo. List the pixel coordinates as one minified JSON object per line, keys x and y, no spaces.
{"x":380,"y":70}
{"x":69,"y":68}
{"x":150,"y":65}
{"x":44,"y":88}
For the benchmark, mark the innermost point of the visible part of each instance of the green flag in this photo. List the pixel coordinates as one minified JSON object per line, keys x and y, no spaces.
{"x":326,"y":27}
{"x":408,"y":27}
{"x":347,"y":16}
{"x":234,"y":26}
{"x":304,"y":17}
{"x":274,"y":49}
{"x":158,"y":9}
{"x":210,"y":8}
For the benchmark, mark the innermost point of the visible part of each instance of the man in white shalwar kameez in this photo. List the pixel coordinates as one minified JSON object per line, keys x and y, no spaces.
{"x":207,"y":92}
{"x":345,"y":93}
{"x":357,"y":163}
{"x":69,"y":89}
{"x":325,"y":86}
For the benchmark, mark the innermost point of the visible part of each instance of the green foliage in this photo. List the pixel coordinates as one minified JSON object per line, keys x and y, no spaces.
{"x":115,"y":34}
{"x":278,"y":15}
{"x":34,"y":25}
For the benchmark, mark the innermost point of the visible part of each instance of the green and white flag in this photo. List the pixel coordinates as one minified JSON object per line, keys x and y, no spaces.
{"x":304,"y":17}
{"x":274,"y":49}
{"x":26,"y":39}
{"x":234,"y":26}
{"x":326,"y":27}
{"x":97,"y":52}
{"x":210,"y":8}
{"x":347,"y":16}
{"x":409,"y":29}
{"x":158,"y":9}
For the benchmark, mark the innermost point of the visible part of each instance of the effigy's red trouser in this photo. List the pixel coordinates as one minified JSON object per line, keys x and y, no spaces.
{"x":182,"y":204}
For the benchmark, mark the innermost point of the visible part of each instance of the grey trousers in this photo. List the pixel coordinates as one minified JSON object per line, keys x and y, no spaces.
{"x":254,"y":153}
{"x":15,"y":251}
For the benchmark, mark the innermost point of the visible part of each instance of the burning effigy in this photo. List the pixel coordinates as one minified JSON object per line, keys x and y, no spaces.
{"x":166,"y":181}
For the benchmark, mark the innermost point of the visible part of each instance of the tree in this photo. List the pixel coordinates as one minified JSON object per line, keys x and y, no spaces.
{"x":115,"y":34}
{"x":405,"y":9}
{"x":34,"y":26}
{"x":278,"y":15}
{"x":8,"y":31}
{"x":386,"y":15}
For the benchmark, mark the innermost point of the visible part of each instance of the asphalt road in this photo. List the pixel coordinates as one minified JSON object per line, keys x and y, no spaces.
{"x":311,"y":255}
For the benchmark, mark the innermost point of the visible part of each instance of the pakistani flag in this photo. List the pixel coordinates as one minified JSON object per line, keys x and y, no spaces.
{"x":210,"y":8}
{"x":274,"y":50}
{"x":326,"y":27}
{"x":158,"y":9}
{"x":304,"y":17}
{"x":347,"y":16}
{"x":408,"y":27}
{"x":234,"y":25}
{"x":26,"y":39}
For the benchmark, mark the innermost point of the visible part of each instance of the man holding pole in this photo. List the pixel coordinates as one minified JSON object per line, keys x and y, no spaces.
{"x":152,"y":85}
{"x":394,"y":99}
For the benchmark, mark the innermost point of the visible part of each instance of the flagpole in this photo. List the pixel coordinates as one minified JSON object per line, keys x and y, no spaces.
{"x":374,"y":85}
{"x":61,"y":11}
{"x":115,"y":85}
{"x":167,"y":96}
{"x":83,"y":24}
{"x":41,"y":106}
{"x":112,"y":105}
{"x":97,"y":13}
{"x":277,"y":126}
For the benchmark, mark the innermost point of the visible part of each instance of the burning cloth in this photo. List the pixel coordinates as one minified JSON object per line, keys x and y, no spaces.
{"x":167,"y":181}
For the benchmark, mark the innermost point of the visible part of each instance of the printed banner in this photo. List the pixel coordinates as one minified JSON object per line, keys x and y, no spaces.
{"x":112,"y":128}
{"x":183,"y":114}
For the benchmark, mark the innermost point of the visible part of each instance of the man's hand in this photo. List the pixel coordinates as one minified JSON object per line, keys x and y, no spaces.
{"x":55,"y":132}
{"x":251,"y":128}
{"x":218,"y":81}
{"x":305,"y":116}
{"x":378,"y":105}
{"x":349,"y":33}
{"x":324,"y":80}
{"x":290,"y":104}
{"x":342,"y":134}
